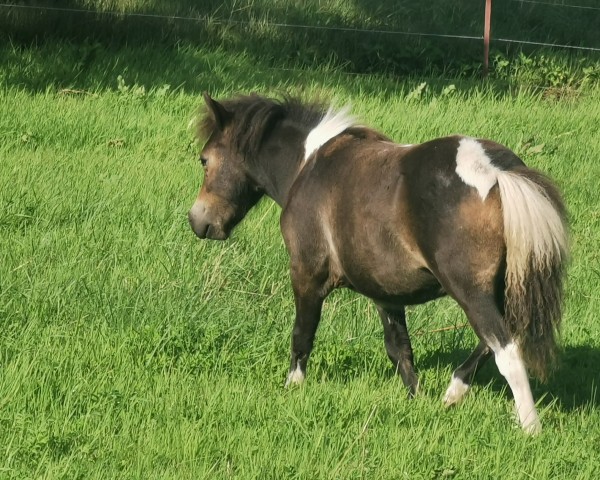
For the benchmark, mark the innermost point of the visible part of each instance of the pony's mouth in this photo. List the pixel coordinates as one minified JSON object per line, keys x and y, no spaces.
{"x":213,"y":221}
{"x":215,"y":233}
{"x":209,"y":231}
{"x":203,"y":227}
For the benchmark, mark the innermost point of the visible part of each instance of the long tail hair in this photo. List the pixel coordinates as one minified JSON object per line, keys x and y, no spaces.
{"x":537,"y":244}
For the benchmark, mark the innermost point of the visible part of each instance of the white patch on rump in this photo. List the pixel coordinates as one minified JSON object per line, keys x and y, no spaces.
{"x":474,"y":166}
{"x":331,"y":125}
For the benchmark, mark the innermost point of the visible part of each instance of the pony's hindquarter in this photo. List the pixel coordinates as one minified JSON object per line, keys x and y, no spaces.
{"x":536,"y":254}
{"x":517,"y":320}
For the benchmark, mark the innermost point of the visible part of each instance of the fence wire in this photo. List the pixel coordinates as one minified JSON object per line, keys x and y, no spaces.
{"x":556,"y":4}
{"x":318,"y":27}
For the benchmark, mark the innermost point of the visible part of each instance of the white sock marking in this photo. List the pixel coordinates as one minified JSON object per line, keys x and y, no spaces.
{"x":474,"y":166}
{"x":456,"y":391}
{"x":295,"y":377}
{"x":332,"y":124}
{"x":512,"y":368}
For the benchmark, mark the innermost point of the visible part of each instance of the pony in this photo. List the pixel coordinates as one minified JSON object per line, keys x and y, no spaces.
{"x":399,"y":224}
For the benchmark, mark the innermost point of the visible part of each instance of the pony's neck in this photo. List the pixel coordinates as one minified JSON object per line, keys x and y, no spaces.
{"x":280,"y":160}
{"x":291,"y":144}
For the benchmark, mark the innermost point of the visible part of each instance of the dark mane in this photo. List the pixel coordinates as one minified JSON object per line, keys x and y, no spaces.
{"x":254,"y":118}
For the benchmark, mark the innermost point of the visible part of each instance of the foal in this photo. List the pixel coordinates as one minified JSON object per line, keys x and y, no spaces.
{"x":399,"y":224}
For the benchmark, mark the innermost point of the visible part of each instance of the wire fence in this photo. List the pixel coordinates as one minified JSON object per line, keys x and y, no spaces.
{"x":321,"y":27}
{"x":198,"y":19}
{"x":556,"y":4}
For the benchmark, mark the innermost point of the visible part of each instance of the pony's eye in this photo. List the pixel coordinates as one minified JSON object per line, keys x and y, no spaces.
{"x":203,"y":161}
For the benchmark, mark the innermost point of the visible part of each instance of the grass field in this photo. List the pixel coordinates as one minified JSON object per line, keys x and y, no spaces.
{"x":129,"y":349}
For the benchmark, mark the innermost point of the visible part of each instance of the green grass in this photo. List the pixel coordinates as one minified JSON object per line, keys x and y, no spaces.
{"x":130,"y":349}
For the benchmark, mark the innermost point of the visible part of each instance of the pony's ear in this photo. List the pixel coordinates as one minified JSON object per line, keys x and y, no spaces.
{"x":219,"y":113}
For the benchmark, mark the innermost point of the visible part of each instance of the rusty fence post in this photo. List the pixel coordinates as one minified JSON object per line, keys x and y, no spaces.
{"x":486,"y":37}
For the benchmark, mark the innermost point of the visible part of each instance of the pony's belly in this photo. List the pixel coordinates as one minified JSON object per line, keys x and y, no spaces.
{"x":403,"y":287}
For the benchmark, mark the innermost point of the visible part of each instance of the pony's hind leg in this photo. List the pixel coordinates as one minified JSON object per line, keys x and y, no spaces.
{"x":488,"y":323}
{"x":470,"y":265}
{"x":398,"y":347}
{"x":464,"y":374}
{"x":511,"y":366}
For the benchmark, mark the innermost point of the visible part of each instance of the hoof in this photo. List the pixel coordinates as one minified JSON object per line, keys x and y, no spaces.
{"x":531,"y":425}
{"x":456,"y":392}
{"x":534,"y":428}
{"x":295,"y":377}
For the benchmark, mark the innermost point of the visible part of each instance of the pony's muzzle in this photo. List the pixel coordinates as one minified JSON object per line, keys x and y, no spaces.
{"x":202,"y":225}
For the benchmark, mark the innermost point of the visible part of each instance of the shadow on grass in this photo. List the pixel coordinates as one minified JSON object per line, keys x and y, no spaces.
{"x":269,"y":33}
{"x":279,"y":33}
{"x":350,"y":33}
{"x":576,"y":380}
{"x":572,"y":385}
{"x":96,"y":67}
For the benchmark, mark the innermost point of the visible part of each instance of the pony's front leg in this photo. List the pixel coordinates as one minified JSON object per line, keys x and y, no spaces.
{"x":308,"y":314}
{"x":398,"y":347}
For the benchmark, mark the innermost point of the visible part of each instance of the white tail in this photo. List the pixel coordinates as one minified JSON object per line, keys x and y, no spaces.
{"x":532,"y":225}
{"x":536,"y":239}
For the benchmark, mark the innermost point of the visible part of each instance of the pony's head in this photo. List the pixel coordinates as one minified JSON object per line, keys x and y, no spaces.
{"x":228,"y":192}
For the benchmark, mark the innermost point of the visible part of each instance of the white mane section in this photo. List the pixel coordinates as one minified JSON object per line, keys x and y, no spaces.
{"x":331,"y":125}
{"x":475,"y":167}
